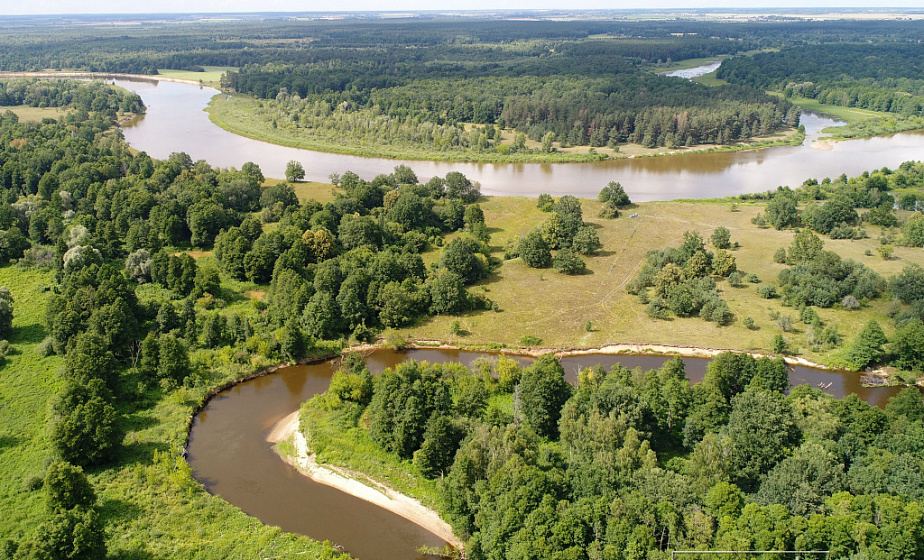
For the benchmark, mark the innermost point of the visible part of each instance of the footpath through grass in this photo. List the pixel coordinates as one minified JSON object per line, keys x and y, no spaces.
{"x":556,"y":307}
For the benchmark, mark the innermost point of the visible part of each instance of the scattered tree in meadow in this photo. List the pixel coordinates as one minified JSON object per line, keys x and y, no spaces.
{"x":294,"y":171}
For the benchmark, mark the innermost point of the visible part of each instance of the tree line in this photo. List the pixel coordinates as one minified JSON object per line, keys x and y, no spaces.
{"x":635,"y":464}
{"x":133,"y":313}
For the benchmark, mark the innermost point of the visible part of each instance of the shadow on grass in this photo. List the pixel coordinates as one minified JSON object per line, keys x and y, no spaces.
{"x":140,"y":453}
{"x":9,"y":440}
{"x":28,"y":334}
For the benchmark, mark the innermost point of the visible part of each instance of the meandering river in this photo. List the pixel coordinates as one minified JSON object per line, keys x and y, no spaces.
{"x":176,"y":121}
{"x":228,"y":450}
{"x":229,"y":453}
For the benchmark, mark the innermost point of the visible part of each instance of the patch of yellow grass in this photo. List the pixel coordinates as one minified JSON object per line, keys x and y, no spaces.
{"x":556,"y":307}
{"x":35,"y":114}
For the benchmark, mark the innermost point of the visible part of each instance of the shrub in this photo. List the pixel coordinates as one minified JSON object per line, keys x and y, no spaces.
{"x":779,"y":345}
{"x":721,"y":238}
{"x":567,"y":262}
{"x":753,"y":278}
{"x":530,"y":340}
{"x":767,"y":292}
{"x":780,"y":256}
{"x":749,"y":323}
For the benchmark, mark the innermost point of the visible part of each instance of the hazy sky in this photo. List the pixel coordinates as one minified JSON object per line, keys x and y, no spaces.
{"x":11,"y":7}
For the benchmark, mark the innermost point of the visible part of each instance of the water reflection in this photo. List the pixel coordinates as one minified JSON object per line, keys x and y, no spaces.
{"x":230,"y":456}
{"x":176,"y":121}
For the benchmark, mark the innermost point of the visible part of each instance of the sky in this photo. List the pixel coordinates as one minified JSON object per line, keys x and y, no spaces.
{"x":18,"y":7}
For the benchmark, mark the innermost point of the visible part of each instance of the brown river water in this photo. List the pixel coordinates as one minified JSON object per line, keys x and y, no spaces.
{"x":229,"y":453}
{"x":176,"y":121}
{"x":228,"y":450}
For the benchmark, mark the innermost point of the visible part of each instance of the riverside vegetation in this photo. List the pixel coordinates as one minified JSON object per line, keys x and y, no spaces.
{"x":632,"y":463}
{"x":140,"y":285}
{"x":495,"y":90}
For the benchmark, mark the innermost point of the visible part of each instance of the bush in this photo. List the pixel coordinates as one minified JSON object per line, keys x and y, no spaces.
{"x":721,"y":238}
{"x":567,"y":262}
{"x":749,"y":323}
{"x":535,"y":251}
{"x":545,"y":203}
{"x":753,"y":278}
{"x":850,"y":302}
{"x":657,"y":309}
{"x":609,"y":212}
{"x":530,"y":340}
{"x":779,"y":345}
{"x":767,"y":292}
{"x":780,"y":256}
{"x":735,"y":279}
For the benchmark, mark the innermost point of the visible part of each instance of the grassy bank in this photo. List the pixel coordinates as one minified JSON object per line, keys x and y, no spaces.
{"x":338,"y":439}
{"x":238,"y":114}
{"x":151,"y":505}
{"x":210,"y":77}
{"x":557,"y":308}
{"x":859,"y":123}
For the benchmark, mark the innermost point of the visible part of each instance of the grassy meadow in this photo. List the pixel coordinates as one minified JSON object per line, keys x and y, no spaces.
{"x":35,"y":114}
{"x":210,"y":77}
{"x":151,"y":505}
{"x":557,"y":307}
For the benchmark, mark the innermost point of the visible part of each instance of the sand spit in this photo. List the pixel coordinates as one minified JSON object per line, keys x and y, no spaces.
{"x":304,"y":460}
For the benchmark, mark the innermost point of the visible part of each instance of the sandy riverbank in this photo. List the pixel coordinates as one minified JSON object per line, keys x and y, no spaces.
{"x":304,"y":460}
{"x":632,"y":349}
{"x":104,"y":75}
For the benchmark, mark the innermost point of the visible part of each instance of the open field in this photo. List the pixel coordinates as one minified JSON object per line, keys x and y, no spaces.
{"x":35,"y":114}
{"x":210,"y":77}
{"x":556,"y":307}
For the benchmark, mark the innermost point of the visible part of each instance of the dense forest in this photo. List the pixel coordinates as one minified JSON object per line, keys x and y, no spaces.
{"x":884,"y":77}
{"x":131,"y":310}
{"x":151,"y":282}
{"x":635,"y":464}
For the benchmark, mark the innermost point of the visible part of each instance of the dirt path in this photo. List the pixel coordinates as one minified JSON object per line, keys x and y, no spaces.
{"x":304,"y":460}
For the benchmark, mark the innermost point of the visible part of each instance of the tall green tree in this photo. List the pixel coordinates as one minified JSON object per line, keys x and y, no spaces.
{"x":543,"y":393}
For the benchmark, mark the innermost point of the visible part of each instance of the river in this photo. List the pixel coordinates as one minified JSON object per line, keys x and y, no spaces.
{"x":176,"y":121}
{"x":228,"y":450}
{"x":229,"y":453}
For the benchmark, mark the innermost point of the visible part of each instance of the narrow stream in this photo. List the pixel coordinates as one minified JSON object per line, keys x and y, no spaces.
{"x":229,"y":453}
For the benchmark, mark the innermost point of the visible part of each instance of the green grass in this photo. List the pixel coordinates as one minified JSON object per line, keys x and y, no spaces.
{"x":238,"y":114}
{"x":35,"y":114}
{"x":26,"y":382}
{"x":859,"y":123}
{"x":556,"y":307}
{"x":151,"y":505}
{"x":340,"y":439}
{"x":710,"y":79}
{"x":210,"y":77}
